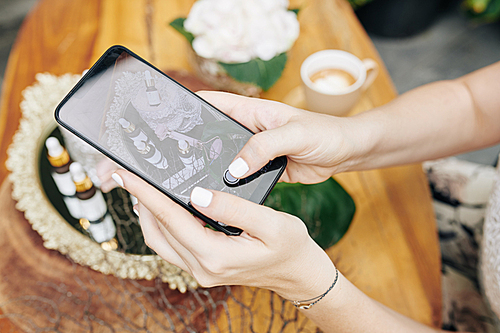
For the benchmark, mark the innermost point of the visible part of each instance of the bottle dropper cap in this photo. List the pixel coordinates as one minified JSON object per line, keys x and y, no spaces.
{"x":126,"y":125}
{"x":77,"y":172}
{"x":54,"y":147}
{"x":57,"y":155}
{"x":124,"y":122}
{"x":183,"y":146}
{"x":141,"y":145}
{"x":149,"y":79}
{"x":80,"y":178}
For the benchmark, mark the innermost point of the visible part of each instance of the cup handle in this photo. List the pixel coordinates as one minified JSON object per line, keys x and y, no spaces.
{"x":371,"y":72}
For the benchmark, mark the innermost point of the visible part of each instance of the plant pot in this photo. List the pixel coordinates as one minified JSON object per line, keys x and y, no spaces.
{"x":396,"y":18}
{"x":213,"y":74}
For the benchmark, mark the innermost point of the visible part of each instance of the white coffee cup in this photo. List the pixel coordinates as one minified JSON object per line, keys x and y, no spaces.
{"x":337,"y":102}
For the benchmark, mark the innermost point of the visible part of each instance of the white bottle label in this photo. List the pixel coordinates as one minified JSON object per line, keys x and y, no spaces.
{"x":64,"y":183}
{"x":140,"y":137}
{"x":103,"y":231}
{"x":155,"y":158}
{"x":163,"y":164}
{"x":74,"y":207}
{"x":94,"y":208}
{"x":153,"y":97}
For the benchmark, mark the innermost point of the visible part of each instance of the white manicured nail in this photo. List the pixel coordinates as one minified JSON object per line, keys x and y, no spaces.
{"x":238,"y":168}
{"x":201,"y":197}
{"x":117,"y":179}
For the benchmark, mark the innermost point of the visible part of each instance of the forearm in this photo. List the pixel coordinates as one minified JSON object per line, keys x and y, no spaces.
{"x":432,"y":121}
{"x":347,"y":309}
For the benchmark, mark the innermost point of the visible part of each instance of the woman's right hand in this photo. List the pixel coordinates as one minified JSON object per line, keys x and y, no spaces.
{"x":316,"y":145}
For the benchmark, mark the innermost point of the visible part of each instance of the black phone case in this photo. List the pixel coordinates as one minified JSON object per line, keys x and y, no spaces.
{"x":228,"y":230}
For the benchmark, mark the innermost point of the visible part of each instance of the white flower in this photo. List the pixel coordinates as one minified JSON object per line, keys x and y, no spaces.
{"x":236,"y":31}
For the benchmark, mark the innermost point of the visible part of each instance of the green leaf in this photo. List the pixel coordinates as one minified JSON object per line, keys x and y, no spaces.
{"x":482,"y":11}
{"x":358,"y":3}
{"x":295,"y":10}
{"x":178,"y":24}
{"x":492,"y":12}
{"x":326,"y":208}
{"x":257,"y":71}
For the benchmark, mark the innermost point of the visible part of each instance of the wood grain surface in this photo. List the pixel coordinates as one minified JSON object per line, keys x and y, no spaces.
{"x":391,"y":250}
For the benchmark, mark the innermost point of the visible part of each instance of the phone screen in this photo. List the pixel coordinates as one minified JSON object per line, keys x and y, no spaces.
{"x":158,"y":129}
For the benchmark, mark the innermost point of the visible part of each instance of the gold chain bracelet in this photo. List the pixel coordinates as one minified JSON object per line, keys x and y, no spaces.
{"x":308,"y":303}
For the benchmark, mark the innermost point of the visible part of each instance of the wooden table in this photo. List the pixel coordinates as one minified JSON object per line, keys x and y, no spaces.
{"x":391,"y":250}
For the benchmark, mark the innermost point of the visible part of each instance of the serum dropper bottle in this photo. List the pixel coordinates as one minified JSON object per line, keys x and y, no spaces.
{"x":186,"y":154}
{"x":95,"y":217}
{"x":60,"y":161}
{"x":151,"y":91}
{"x":151,"y":154}
{"x":133,"y":132}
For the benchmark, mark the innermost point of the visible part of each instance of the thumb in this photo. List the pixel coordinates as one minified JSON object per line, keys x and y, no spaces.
{"x":265,"y":146}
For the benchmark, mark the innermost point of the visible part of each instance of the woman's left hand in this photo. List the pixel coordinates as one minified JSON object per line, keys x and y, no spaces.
{"x":274,"y":251}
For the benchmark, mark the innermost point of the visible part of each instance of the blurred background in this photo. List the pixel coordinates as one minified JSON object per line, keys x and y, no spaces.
{"x":420,"y":41}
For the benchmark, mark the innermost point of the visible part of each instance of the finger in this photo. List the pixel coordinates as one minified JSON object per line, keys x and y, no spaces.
{"x":256,"y":114}
{"x":255,"y":219}
{"x":203,"y":223}
{"x":177,"y":220}
{"x":266,"y":146}
{"x":189,"y":261}
{"x":105,"y":169}
{"x":108,"y":185}
{"x":277,"y":136}
{"x":155,"y":239}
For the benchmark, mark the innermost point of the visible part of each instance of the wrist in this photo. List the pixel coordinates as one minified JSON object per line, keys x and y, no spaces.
{"x":356,"y":142}
{"x":364,"y":134}
{"x":311,"y":277}
{"x":309,"y":303}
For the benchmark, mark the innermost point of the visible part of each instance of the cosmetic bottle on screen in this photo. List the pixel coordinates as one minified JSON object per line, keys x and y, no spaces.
{"x":95,"y":219}
{"x":133,"y":132}
{"x":151,"y":91}
{"x":186,"y":154}
{"x":60,"y":161}
{"x":151,"y":154}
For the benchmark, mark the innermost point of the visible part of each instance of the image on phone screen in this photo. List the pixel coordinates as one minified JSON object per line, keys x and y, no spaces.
{"x":160,"y":130}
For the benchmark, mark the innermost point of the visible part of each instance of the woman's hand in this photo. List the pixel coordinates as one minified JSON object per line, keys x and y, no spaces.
{"x":105,"y":168}
{"x":317,"y":145}
{"x":274,"y":252}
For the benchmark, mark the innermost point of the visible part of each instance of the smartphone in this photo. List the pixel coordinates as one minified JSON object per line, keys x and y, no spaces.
{"x":156,"y":128}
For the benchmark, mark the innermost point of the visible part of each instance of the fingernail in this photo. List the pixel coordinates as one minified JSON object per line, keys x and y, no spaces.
{"x":201,"y":197}
{"x":238,"y":168}
{"x":136,"y":212}
{"x":117,"y":179}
